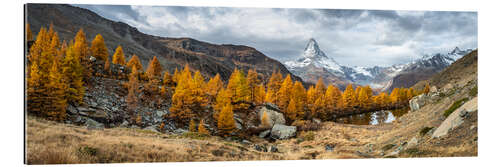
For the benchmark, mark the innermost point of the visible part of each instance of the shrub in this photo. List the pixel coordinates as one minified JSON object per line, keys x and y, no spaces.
{"x":306,"y":125}
{"x":473,"y":92}
{"x":455,"y":106}
{"x":86,"y":150}
{"x":424,"y":130}
{"x":307,"y":136}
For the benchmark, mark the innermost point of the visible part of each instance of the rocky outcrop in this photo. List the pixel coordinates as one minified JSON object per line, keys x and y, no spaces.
{"x":283,"y":132}
{"x":456,"y":118}
{"x":419,"y":101}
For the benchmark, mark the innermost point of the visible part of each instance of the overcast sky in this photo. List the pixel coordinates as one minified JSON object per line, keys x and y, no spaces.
{"x":351,"y":37}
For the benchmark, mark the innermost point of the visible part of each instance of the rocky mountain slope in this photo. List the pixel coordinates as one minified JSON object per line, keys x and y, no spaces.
{"x":173,"y":53}
{"x":314,"y":63}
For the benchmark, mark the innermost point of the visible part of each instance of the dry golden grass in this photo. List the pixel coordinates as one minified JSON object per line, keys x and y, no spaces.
{"x":54,"y":143}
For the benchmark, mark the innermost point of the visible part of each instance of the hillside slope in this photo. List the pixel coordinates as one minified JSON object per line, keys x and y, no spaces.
{"x":173,"y":53}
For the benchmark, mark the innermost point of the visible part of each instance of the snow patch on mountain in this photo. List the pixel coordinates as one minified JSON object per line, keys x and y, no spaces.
{"x":377,"y":77}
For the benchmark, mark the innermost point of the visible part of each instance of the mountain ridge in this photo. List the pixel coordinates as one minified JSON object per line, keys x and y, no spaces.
{"x":314,"y":64}
{"x":210,"y":59}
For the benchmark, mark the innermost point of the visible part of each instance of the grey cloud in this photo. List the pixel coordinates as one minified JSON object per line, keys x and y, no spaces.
{"x":352,"y":37}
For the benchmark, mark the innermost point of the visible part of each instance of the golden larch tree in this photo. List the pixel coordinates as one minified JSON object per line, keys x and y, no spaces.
{"x":202,"y":129}
{"x":349,"y":99}
{"x":134,"y":61}
{"x":118,"y":56}
{"x":273,"y":87}
{"x":168,"y":80}
{"x":300,"y":99}
{"x":29,"y":34}
{"x":427,"y":88}
{"x":238,"y":90}
{"x":225,"y":123}
{"x":182,"y":99}
{"x":98,"y":48}
{"x":285,"y":92}
{"x":56,"y":91}
{"x":213,"y":87}
{"x":253,"y":82}
{"x":260,"y":95}
{"x":133,"y":90}
{"x":192,"y":126}
{"x":73,"y":71}
{"x":154,"y":68}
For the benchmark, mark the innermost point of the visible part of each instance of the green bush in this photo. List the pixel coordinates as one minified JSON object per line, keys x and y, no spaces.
{"x":473,"y":92}
{"x":455,"y":106}
{"x":86,"y":150}
{"x":308,"y":136}
{"x":424,"y":130}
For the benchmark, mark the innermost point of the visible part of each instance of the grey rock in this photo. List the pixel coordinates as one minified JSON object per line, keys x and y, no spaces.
{"x":134,"y":127}
{"x":418,"y":102}
{"x":316,"y":120}
{"x":433,"y":89}
{"x":447,"y":87}
{"x":454,"y":119}
{"x":362,"y":154}
{"x":151,"y":128}
{"x":260,"y":148}
{"x":472,"y":127}
{"x":124,"y":124}
{"x":264,"y":134}
{"x":283,"y":132}
{"x":91,"y":124}
{"x":413,"y":142}
{"x":238,"y":125}
{"x":180,"y":131}
{"x":329,"y":148}
{"x":71,"y":109}
{"x":84,"y":109}
{"x":273,"y":149}
{"x":92,"y":59}
{"x":275,"y":117}
{"x":246,"y":142}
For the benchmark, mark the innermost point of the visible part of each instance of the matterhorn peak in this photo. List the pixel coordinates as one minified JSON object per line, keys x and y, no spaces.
{"x":312,"y":50}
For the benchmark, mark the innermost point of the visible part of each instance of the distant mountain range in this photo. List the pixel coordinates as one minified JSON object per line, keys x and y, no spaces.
{"x":314,"y":63}
{"x":172,"y":53}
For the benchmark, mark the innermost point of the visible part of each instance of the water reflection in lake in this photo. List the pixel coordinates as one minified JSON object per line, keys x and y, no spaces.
{"x":373,"y":118}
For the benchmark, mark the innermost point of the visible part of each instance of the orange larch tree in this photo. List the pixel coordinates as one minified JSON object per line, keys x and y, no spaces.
{"x":225,"y":123}
{"x":134,"y":61}
{"x":118,"y":56}
{"x":99,"y":49}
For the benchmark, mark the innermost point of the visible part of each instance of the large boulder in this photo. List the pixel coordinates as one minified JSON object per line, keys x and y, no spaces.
{"x":418,"y":102}
{"x":456,"y":118}
{"x":274,"y":116}
{"x":280,"y":131}
{"x":91,"y":124}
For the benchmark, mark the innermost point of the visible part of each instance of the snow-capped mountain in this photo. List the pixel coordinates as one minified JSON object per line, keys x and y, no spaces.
{"x":314,"y":56}
{"x":314,"y":64}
